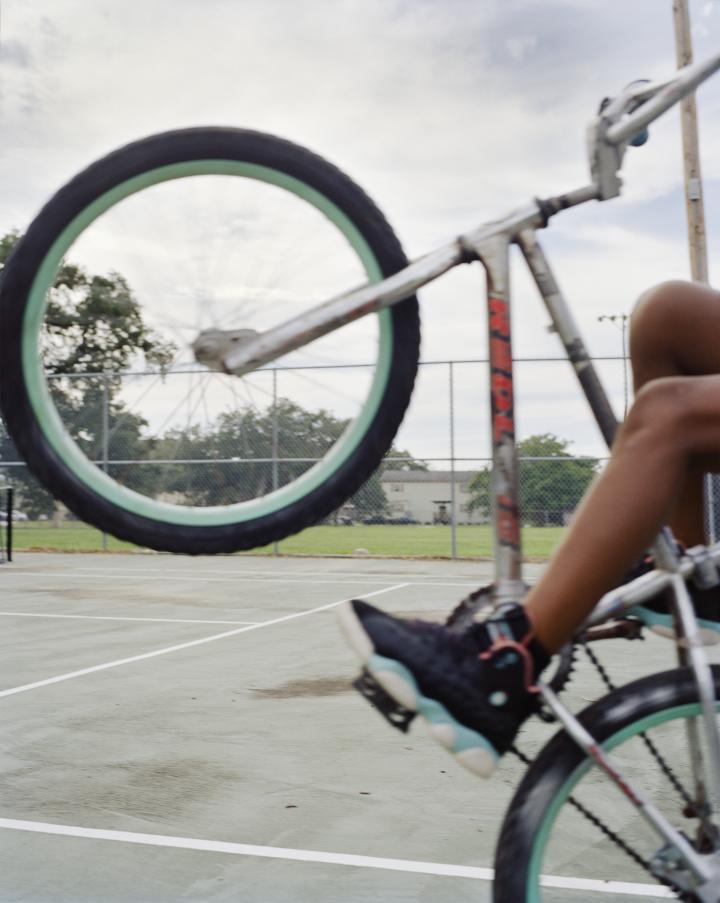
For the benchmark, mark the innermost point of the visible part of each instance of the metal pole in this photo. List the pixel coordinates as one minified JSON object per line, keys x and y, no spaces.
{"x":623,"y":320}
{"x":8,"y":512}
{"x":494,"y":253}
{"x":453,"y":513}
{"x":691,"y":151}
{"x":276,"y":545}
{"x":697,"y":241}
{"x":697,"y":244}
{"x":710,"y":480}
{"x":105,"y":438}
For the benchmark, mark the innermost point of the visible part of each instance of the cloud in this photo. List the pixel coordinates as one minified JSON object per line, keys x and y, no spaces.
{"x":446,"y":113}
{"x":14,"y":53}
{"x":520,"y":46}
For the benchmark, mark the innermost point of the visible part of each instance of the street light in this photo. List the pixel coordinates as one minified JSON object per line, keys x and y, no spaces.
{"x":622,"y":319}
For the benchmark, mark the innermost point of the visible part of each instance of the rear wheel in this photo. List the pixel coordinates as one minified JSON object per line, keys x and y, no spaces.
{"x":190,"y":230}
{"x":569,"y":832}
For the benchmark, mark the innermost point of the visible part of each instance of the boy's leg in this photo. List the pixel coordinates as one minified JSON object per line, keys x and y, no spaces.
{"x":674,"y":332}
{"x":478,"y":683}
{"x":655,"y":476}
{"x":674,"y":420}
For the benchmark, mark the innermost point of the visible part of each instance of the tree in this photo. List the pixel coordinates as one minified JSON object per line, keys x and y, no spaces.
{"x":93,"y":330}
{"x":248,"y":452}
{"x":397,"y":459}
{"x":552,"y":481}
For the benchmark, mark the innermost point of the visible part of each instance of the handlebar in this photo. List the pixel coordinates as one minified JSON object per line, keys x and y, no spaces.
{"x":624,"y":119}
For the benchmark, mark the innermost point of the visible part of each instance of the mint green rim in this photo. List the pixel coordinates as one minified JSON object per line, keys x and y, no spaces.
{"x":99,"y":482}
{"x":543,"y":835}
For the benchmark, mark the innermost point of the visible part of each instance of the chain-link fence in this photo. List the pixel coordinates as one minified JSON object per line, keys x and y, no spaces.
{"x":430,"y":497}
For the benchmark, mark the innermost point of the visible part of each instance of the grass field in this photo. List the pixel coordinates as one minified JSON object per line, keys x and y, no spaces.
{"x":391,"y":541}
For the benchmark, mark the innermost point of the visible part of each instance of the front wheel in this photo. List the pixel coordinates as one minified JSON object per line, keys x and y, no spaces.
{"x":114,"y":280}
{"x":569,"y":833}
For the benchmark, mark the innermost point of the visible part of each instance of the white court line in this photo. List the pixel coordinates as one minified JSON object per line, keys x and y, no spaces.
{"x":156,"y":566}
{"x":232,"y":577}
{"x":139,"y":575}
{"x":208,"y":639}
{"x":42,"y":614}
{"x":347,"y":859}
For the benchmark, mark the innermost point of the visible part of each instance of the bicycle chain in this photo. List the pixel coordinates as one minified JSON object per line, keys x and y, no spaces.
{"x":654,"y":752}
{"x":597,"y":822}
{"x":611,"y":835}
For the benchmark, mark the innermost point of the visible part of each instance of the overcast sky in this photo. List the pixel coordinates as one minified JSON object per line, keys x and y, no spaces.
{"x":448,"y":112}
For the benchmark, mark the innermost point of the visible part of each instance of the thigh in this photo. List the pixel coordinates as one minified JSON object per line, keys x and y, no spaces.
{"x":696,"y":418}
{"x":675,"y":331}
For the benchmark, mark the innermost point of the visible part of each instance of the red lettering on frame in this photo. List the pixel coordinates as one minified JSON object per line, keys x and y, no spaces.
{"x":502,"y":406}
{"x":502,"y":386}
{"x":499,"y":319}
{"x":502,"y":427}
{"x":501,"y":360}
{"x":500,"y":356}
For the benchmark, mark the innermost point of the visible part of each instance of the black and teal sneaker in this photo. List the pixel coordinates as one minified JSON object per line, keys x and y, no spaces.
{"x":656,"y":613}
{"x":474,"y":689}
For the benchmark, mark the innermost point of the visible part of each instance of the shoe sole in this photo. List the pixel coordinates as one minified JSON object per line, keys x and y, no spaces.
{"x":662,"y":624}
{"x":471,"y":749}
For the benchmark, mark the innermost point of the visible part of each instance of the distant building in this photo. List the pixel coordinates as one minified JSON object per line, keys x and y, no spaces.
{"x":426,"y":495}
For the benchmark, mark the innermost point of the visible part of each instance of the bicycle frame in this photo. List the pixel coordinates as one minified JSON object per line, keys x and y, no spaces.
{"x":608,"y":137}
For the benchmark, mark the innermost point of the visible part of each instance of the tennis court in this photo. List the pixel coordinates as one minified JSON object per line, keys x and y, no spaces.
{"x":184,"y":729}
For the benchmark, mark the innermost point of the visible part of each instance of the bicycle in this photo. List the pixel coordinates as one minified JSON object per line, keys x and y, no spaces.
{"x":358,"y":246}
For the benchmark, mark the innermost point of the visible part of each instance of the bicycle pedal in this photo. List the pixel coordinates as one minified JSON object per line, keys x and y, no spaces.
{"x":397,"y":715}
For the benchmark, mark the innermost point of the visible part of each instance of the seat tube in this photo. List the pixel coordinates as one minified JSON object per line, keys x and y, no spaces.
{"x":494,"y":255}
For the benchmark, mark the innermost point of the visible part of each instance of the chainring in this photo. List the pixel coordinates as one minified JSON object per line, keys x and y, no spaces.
{"x":480,"y":605}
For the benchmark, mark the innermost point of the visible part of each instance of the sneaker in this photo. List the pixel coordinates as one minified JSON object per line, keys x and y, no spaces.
{"x":656,"y":613}
{"x":474,"y":689}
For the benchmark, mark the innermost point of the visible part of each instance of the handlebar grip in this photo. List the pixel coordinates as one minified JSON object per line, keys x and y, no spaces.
{"x":642,"y":136}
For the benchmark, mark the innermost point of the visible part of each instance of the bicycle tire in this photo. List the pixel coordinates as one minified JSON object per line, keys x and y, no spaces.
{"x":618,"y":718}
{"x":49,"y":450}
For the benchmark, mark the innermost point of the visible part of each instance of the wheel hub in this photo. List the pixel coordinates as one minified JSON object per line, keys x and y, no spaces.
{"x":212,"y":346}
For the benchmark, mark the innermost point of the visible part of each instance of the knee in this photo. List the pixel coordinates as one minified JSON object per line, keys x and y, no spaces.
{"x":658,"y":417}
{"x":655,"y":310}
{"x":669,"y":331}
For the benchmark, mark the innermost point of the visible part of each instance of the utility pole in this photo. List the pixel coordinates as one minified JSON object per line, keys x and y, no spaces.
{"x":691,"y":152}
{"x":694,"y":202}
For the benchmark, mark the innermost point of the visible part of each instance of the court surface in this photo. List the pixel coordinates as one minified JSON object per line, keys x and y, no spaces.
{"x":178,"y":729}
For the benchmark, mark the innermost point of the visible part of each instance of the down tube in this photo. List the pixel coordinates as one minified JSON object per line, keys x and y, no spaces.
{"x":494,"y":255}
{"x":565,"y":326}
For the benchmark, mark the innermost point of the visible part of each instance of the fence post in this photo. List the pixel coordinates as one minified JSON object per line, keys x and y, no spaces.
{"x":9,"y":522}
{"x":276,"y":544}
{"x":711,"y":482}
{"x":105,"y":438}
{"x":453,"y":511}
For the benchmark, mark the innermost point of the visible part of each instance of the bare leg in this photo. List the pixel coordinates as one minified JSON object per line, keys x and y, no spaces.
{"x":671,"y":437}
{"x":672,"y":335}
